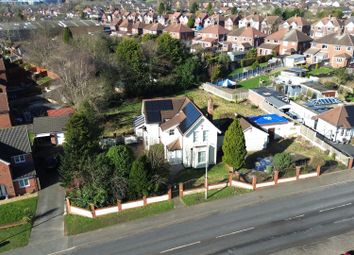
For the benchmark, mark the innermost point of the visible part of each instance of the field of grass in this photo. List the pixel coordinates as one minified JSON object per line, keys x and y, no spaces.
{"x":213,"y":195}
{"x":261,"y":80}
{"x":76,"y":224}
{"x":216,"y":174}
{"x":12,"y":213}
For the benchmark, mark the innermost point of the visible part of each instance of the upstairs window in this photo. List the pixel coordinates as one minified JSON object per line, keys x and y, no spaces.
{"x":205,"y":135}
{"x":337,"y":47}
{"x":19,"y":159}
{"x":324,"y":46}
{"x":172,"y":132}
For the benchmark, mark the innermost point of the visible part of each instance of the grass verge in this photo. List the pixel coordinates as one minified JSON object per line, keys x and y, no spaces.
{"x":213,"y":195}
{"x":76,"y":224}
{"x":18,"y":236}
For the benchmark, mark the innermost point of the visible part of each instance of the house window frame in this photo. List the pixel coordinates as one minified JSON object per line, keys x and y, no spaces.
{"x":25,"y":183}
{"x":195,"y":136}
{"x":324,"y":46}
{"x":201,"y":157}
{"x":205,"y":135}
{"x":19,"y":159}
{"x":337,"y":48}
{"x":171,"y":132}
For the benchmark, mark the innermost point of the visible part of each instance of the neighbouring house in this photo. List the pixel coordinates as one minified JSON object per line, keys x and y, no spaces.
{"x":138,"y":28}
{"x":326,"y":26}
{"x":336,"y":124}
{"x":51,"y":128}
{"x":17,"y":172}
{"x":188,"y":137}
{"x":253,"y":20}
{"x":294,"y":60}
{"x":349,"y":25}
{"x":270,"y":24}
{"x":232,"y":21}
{"x":215,"y":19}
{"x":288,"y":41}
{"x":5,"y":120}
{"x":256,"y":139}
{"x":211,"y":36}
{"x":337,"y":48}
{"x":199,"y":19}
{"x":174,"y":18}
{"x":298,"y":23}
{"x":65,"y":111}
{"x":184,"y":18}
{"x":163,"y":19}
{"x":180,"y":32}
{"x":244,"y":38}
{"x":125,"y":28}
{"x":154,"y":29}
{"x":276,"y":126}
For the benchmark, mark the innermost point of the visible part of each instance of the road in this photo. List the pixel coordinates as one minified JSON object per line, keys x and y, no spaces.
{"x":263,"y":228}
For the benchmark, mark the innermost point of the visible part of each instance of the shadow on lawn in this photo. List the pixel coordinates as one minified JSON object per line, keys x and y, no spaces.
{"x":217,"y":192}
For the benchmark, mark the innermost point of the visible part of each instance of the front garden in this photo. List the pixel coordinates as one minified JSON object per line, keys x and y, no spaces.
{"x":16,"y":223}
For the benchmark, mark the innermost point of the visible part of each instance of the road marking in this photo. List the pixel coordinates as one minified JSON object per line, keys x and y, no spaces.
{"x":296,"y":217}
{"x":59,"y":252}
{"x":343,"y":220}
{"x":180,"y":247}
{"x":336,"y":207}
{"x":235,"y":232}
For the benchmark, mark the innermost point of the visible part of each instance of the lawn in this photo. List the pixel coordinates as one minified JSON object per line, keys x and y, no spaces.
{"x":76,"y":224}
{"x":213,"y":195}
{"x":196,"y":177}
{"x":15,"y":212}
{"x":244,"y":69}
{"x":44,"y":80}
{"x":321,"y":71}
{"x":255,"y":82}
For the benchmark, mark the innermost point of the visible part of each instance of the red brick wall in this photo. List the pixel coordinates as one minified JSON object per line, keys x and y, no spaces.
{"x":6,"y":179}
{"x":30,"y":189}
{"x":5,"y":121}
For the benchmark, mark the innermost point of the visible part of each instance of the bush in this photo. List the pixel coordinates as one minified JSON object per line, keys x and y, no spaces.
{"x":247,"y":61}
{"x":281,"y":161}
{"x":263,"y":59}
{"x":317,"y":161}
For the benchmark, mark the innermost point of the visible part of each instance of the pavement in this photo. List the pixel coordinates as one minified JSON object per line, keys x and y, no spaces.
{"x":263,"y":222}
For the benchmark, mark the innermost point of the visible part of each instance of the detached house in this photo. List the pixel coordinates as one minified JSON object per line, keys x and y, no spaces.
{"x":325,"y":26}
{"x":253,"y":20}
{"x":285,"y":42}
{"x":337,"y":48}
{"x":245,"y":38}
{"x":17,"y":172}
{"x":298,"y":23}
{"x":336,"y":124}
{"x":188,"y":137}
{"x":5,"y":120}
{"x":232,"y":21}
{"x":270,"y":24}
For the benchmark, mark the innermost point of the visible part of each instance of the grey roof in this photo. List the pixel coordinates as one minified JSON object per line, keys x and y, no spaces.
{"x":276,"y":102}
{"x":337,"y":39}
{"x":14,"y":141}
{"x":49,"y":124}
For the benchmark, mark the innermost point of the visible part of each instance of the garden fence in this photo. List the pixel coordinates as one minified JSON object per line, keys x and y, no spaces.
{"x":257,"y":71}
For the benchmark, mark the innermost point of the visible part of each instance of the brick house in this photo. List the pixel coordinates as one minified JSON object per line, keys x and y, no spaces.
{"x":285,"y":42}
{"x":5,"y":120}
{"x":326,"y":26}
{"x":17,"y":172}
{"x":298,"y":23}
{"x":338,"y":49}
{"x":253,"y":20}
{"x":243,"y":35}
{"x":231,"y":22}
{"x":270,"y":24}
{"x":180,"y":32}
{"x":210,"y":36}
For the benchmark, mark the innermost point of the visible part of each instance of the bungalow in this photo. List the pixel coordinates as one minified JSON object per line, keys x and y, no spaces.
{"x":336,"y":124}
{"x":298,"y":23}
{"x":253,"y":20}
{"x":325,"y":26}
{"x":210,"y":36}
{"x":256,"y":139}
{"x":337,"y":48}
{"x":188,"y":137}
{"x":276,"y":126}
{"x":270,"y":24}
{"x":17,"y":172}
{"x":243,"y":35}
{"x":288,"y":42}
{"x":51,"y":127}
{"x":180,"y":32}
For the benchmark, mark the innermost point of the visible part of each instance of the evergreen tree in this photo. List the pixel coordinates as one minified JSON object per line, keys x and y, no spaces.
{"x":191,"y":22}
{"x":210,"y":10}
{"x":122,"y":158}
{"x":161,"y":9}
{"x":67,"y":35}
{"x":138,"y":183}
{"x":234,"y":147}
{"x":194,"y":7}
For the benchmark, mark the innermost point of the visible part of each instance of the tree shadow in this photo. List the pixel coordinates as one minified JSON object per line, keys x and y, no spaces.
{"x":217,"y":192}
{"x":3,"y":243}
{"x":42,"y":215}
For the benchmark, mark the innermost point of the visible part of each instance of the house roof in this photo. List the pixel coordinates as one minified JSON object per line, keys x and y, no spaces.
{"x":278,"y":103}
{"x":340,"y":116}
{"x":14,"y":141}
{"x":49,"y":124}
{"x":214,"y":29}
{"x":138,"y":24}
{"x":293,"y":35}
{"x":268,"y":119}
{"x":343,"y":55}
{"x":66,"y":111}
{"x":247,"y":32}
{"x":334,"y":20}
{"x":345,"y":39}
{"x":269,"y":46}
{"x":254,"y":17}
{"x":174,"y":146}
{"x":300,"y":21}
{"x":270,"y":20}
{"x":178,"y":28}
{"x":312,"y":51}
{"x":154,"y":27}
{"x":171,"y":112}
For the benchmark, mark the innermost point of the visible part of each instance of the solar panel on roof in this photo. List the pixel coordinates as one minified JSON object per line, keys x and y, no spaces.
{"x":192,"y":114}
{"x":159,"y":105}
